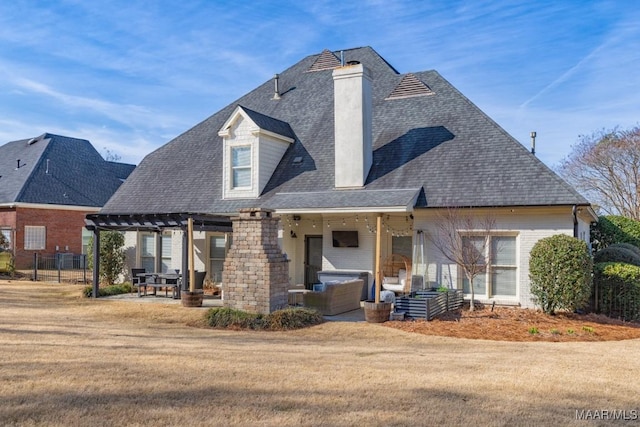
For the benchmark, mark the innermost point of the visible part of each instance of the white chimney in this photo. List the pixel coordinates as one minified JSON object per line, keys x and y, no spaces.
{"x":353,"y":121}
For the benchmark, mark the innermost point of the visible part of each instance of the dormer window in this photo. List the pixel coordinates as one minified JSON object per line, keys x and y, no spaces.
{"x":241,"y":167}
{"x":253,"y":146}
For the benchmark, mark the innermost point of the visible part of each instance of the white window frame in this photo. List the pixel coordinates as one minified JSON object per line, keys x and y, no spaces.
{"x":488,"y":273}
{"x":8,"y":235}
{"x":247,"y":167}
{"x":152,"y":251}
{"x":35,"y":237}
{"x":166,"y":259}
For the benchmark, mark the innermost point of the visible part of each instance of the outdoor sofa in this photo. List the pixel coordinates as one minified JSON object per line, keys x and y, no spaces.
{"x":336,"y":297}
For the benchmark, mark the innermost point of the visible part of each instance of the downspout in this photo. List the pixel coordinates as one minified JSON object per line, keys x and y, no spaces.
{"x":574,"y":211}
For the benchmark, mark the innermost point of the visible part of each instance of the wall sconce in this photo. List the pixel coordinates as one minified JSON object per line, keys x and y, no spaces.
{"x":293,"y":235}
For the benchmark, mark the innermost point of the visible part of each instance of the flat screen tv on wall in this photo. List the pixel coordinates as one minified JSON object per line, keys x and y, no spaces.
{"x":345,"y":239}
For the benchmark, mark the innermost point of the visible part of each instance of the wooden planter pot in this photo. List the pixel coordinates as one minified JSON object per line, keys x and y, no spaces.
{"x":192,"y":299}
{"x":377,"y":312}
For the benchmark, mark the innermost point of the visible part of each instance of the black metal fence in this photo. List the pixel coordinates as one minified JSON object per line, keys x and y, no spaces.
{"x":60,"y":267}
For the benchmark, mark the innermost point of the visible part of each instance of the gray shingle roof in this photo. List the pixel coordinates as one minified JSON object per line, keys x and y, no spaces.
{"x":441,"y":143}
{"x":57,"y":170}
{"x":269,"y":123}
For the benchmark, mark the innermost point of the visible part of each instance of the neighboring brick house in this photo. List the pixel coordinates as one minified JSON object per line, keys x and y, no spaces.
{"x":48,"y":185}
{"x":332,"y":146}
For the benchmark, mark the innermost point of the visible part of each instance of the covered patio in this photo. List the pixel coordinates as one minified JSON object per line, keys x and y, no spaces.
{"x":155,"y":223}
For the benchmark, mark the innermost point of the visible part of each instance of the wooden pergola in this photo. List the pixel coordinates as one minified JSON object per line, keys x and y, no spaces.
{"x":156,"y":223}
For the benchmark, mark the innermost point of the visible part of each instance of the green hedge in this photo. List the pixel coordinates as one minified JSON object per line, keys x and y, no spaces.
{"x":629,"y":246}
{"x":617,"y":289}
{"x":615,"y":229}
{"x":618,"y":252}
{"x":560,"y":271}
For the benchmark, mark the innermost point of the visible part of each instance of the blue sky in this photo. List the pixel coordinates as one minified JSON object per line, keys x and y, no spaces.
{"x":131,"y":75}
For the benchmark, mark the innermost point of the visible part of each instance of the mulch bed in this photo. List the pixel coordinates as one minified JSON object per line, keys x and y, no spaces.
{"x":517,"y":324}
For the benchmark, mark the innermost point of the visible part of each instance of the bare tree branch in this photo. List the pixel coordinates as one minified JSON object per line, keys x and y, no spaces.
{"x":605,"y":167}
{"x":463,"y":239}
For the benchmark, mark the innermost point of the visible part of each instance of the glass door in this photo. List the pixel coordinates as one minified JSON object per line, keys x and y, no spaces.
{"x":312,"y":260}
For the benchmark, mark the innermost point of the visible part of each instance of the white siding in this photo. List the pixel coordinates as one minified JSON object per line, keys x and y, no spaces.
{"x":528,"y":224}
{"x":130,"y":250}
{"x":266,"y":153}
{"x":240,"y":135}
{"x":201,"y":257}
{"x":176,"y":250}
{"x":353,"y":259}
{"x":270,"y":154}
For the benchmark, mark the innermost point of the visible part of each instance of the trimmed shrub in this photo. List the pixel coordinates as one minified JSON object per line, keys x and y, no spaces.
{"x":280,"y":320}
{"x":612,"y":229}
{"x":105,"y":291}
{"x":560,"y":272}
{"x":617,"y":289}
{"x":629,"y":246}
{"x":292,"y":318}
{"x":226,"y":317}
{"x":618,"y":252}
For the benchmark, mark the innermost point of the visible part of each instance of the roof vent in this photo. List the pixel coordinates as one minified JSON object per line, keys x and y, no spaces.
{"x":276,"y":92}
{"x":20,"y":165}
{"x":32,"y":141}
{"x":325,"y":61}
{"x":410,"y":86}
{"x":297,"y":160}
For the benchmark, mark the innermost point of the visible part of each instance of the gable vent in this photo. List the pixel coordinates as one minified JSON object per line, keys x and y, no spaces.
{"x":410,"y":86}
{"x":325,"y":61}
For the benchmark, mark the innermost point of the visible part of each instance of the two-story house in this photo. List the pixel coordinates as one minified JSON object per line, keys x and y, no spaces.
{"x":331,"y":144}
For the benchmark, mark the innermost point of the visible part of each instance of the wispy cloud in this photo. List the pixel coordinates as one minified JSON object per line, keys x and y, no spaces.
{"x":565,"y":76}
{"x":140,"y":73}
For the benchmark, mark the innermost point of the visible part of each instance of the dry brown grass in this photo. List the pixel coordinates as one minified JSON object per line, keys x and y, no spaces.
{"x":66,"y":360}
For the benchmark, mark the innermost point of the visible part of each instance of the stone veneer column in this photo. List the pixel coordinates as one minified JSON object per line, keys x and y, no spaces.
{"x":256,"y":272}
